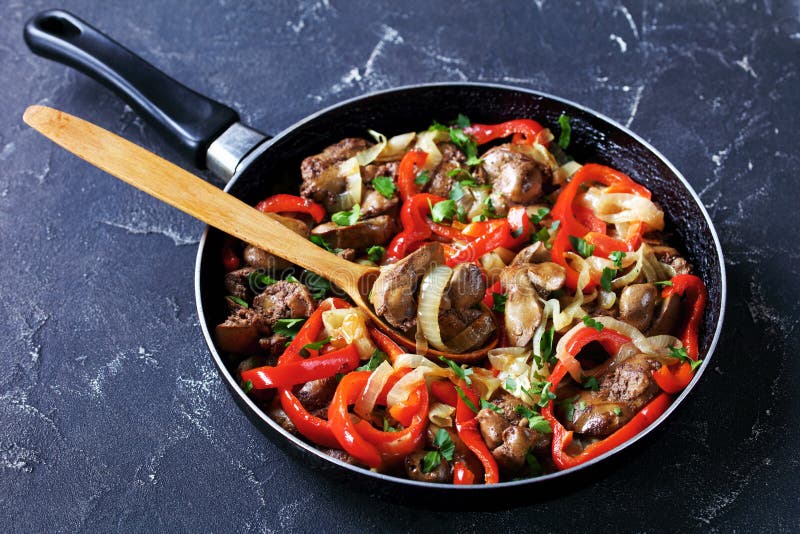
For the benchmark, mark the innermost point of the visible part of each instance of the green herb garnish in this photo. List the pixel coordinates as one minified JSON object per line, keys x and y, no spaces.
{"x":683,"y":356}
{"x":580,"y":245}
{"x":606,"y":277}
{"x":375,"y":253}
{"x":446,"y":209}
{"x":317,"y":240}
{"x":289,"y":327}
{"x":617,"y":410}
{"x":510,"y":385}
{"x":546,"y":345}
{"x":347,"y":218}
{"x":459,"y":371}
{"x":617,"y":257}
{"x":384,"y":185}
{"x":534,"y":466}
{"x":591,"y":383}
{"x":444,"y":443}
{"x":566,"y":130}
{"x":490,"y":406}
{"x":317,"y":286}
{"x":499,"y":302}
{"x":540,"y":424}
{"x":546,"y":395}
{"x":591,"y":323}
{"x":540,"y":214}
{"x":422,"y":178}
{"x":258,"y":281}
{"x":431,"y":461}
{"x":663,"y":283}
{"x":456,"y":192}
{"x":237,"y":300}
{"x":466,"y":400}
{"x":247,"y":386}
{"x":375,"y":360}
{"x":387,"y":427}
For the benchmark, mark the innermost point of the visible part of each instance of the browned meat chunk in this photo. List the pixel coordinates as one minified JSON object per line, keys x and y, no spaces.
{"x":535,"y":253}
{"x":348,"y":254}
{"x":508,"y":403}
{"x":363,"y":234}
{"x":394,"y":292}
{"x":317,"y":393}
{"x":341,"y":455}
{"x":241,"y":330}
{"x":624,"y":390}
{"x":452,"y":322}
{"x":492,"y":425}
{"x":374,"y":204}
{"x":321,"y":180}
{"x":636,"y":305}
{"x":277,"y":414}
{"x":236,"y":283}
{"x":523,"y":310}
{"x":452,"y":158}
{"x":441,"y":474}
{"x":667,"y":316}
{"x":284,"y":300}
{"x":517,"y":442}
{"x":515,"y":176}
{"x":466,"y":287}
{"x":274,"y":344}
{"x":672,"y":257}
{"x":547,"y":276}
{"x":475,"y":335}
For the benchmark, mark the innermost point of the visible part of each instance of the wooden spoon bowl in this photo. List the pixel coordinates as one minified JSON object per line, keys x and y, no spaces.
{"x":192,"y":195}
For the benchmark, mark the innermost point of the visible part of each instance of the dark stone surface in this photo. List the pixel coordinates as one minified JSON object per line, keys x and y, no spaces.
{"x":112,"y":416}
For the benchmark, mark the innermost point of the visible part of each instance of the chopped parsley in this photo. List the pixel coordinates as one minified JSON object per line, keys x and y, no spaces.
{"x":316,"y":345}
{"x":606,"y":277}
{"x":510,"y":385}
{"x":525,"y":412}
{"x":375,"y":360}
{"x":247,"y":386}
{"x":546,"y":345}
{"x":259,"y":280}
{"x":437,"y":126}
{"x":464,"y":142}
{"x":683,"y":356}
{"x":591,"y":383}
{"x":458,"y":171}
{"x":422,"y":178}
{"x":540,"y":214}
{"x":237,"y":300}
{"x":291,"y":279}
{"x":347,"y":218}
{"x":317,"y":240}
{"x":568,"y":406}
{"x":617,"y":410}
{"x":431,"y":461}
{"x":591,"y":323}
{"x":488,"y":209}
{"x":444,"y":444}
{"x":456,"y":192}
{"x":387,"y":427}
{"x":375,"y":253}
{"x":499,"y":302}
{"x":542,"y":235}
{"x":490,"y":406}
{"x":466,"y":400}
{"x":459,"y":371}
{"x":289,"y":327}
{"x":566,"y":130}
{"x":384,"y":185}
{"x":617,"y":257}
{"x":540,"y":424}
{"x":446,"y":209}
{"x":663,"y":283}
{"x":581,"y":246}
{"x":546,"y":395}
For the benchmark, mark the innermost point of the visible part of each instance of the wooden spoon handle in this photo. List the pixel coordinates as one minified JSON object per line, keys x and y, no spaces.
{"x":190,"y":194}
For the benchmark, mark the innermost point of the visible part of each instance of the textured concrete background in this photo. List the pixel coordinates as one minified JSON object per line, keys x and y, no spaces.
{"x":111,"y":412}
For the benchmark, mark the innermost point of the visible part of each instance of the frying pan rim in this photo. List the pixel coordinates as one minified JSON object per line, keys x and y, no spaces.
{"x":299,"y":443}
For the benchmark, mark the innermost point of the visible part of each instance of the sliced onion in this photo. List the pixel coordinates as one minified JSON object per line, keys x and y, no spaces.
{"x":658,"y":345}
{"x":492,"y":264}
{"x":349,"y":324}
{"x":615,"y":208}
{"x":565,"y":172}
{"x":405,"y":386}
{"x":631,"y":276}
{"x":514,"y":363}
{"x":441,"y":414}
{"x":366,"y":402}
{"x":396,"y":147}
{"x":351,"y":172}
{"x":412,"y":361}
{"x":367,"y":156}
{"x":568,"y":360}
{"x":430,"y":298}
{"x":426,"y":141}
{"x":607,"y":299}
{"x":484,"y":382}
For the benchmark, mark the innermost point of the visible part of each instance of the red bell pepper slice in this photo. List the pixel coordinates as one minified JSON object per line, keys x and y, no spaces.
{"x":526,"y":130}
{"x":395,"y":445}
{"x":488,"y":297}
{"x":695,"y":296}
{"x":385,"y":343}
{"x":312,"y":427}
{"x":413,"y":218}
{"x":407,"y":173}
{"x":444,"y":391}
{"x":611,"y":341}
{"x":462,"y":475}
{"x":283,"y":203}
{"x":343,"y":427}
{"x":570,"y":224}
{"x":302,"y":371}
{"x":467,"y":427}
{"x":230,"y":260}
{"x":675,"y":378}
{"x":309,"y":332}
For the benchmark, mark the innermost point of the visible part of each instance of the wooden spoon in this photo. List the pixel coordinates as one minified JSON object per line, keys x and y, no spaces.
{"x":171,"y":184}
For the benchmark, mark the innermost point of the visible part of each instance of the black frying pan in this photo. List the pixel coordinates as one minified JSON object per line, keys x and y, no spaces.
{"x":209,"y":135}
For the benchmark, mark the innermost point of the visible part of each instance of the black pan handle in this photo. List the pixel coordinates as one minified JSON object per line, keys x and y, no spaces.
{"x":188,"y":120}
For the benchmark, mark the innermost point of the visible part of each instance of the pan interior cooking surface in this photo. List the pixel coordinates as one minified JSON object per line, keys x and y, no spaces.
{"x":274,"y":169}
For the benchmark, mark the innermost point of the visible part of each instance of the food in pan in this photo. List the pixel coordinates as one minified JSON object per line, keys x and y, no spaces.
{"x":482,"y":232}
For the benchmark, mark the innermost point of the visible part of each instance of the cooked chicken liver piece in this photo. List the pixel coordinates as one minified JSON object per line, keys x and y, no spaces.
{"x":535,"y":253}
{"x":284,"y":300}
{"x":441,"y":474}
{"x":523,"y":313}
{"x":260,"y":259}
{"x":321,"y":180}
{"x":667,"y":316}
{"x":241,"y":331}
{"x":466,"y":287}
{"x":394,"y":292}
{"x":237,"y":283}
{"x":517,"y":442}
{"x":365,"y":233}
{"x":317,"y":393}
{"x":515,"y":176}
{"x":492,"y":425}
{"x":636,"y":305}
